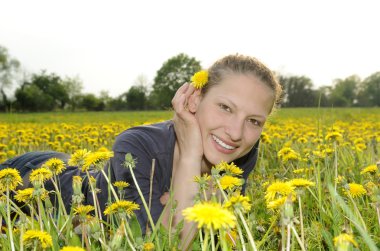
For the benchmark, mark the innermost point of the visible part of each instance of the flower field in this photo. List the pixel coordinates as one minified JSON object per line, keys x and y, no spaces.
{"x":316,"y":186}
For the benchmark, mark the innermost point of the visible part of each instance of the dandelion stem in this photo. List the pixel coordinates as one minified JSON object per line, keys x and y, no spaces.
{"x":142,"y":199}
{"x":205,"y":242}
{"x":96,"y":202}
{"x":201,"y":238}
{"x":267,"y":232}
{"x":288,"y":235}
{"x":10,"y":231}
{"x":301,"y":219}
{"x":61,"y":204}
{"x":111,"y":186}
{"x":378,"y":213}
{"x":335,"y":164}
{"x":358,"y":213}
{"x":250,"y":237}
{"x":300,"y":242}
{"x":212,"y":239}
{"x":128,"y":240}
{"x":241,"y":237}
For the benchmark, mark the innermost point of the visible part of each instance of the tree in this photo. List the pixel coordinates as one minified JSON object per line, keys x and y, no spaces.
{"x":344,"y":91}
{"x":173,"y":73}
{"x":42,"y":87}
{"x":9,"y":69}
{"x":51,"y":84}
{"x":323,"y":96}
{"x":91,"y":103}
{"x":119,"y":103}
{"x":136,"y":97}
{"x":369,"y":91}
{"x":298,"y":91}
{"x":73,"y":87}
{"x":30,"y":98}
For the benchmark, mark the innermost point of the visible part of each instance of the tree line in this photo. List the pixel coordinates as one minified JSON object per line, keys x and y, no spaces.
{"x":45,"y":91}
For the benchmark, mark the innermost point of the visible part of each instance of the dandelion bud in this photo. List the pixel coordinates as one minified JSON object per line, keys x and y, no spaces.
{"x":117,"y":239}
{"x":94,"y":228}
{"x":77,"y":197}
{"x":288,"y":213}
{"x":129,"y":161}
{"x":48,"y":205}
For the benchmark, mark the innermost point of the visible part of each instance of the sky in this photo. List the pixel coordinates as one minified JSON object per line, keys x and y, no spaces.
{"x":109,"y":44}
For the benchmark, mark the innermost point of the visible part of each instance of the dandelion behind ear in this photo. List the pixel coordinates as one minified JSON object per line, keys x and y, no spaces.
{"x":199,"y":79}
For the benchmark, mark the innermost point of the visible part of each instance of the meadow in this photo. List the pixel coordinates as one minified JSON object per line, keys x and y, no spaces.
{"x":316,"y":186}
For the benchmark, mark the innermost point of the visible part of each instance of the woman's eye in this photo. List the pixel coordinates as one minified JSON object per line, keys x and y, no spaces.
{"x":254,"y":122}
{"x":224,"y":107}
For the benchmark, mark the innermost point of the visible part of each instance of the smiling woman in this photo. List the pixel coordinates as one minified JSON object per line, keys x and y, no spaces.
{"x":220,"y":121}
{"x":223,"y":122}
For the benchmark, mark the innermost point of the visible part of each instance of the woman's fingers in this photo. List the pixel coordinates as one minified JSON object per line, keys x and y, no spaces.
{"x":180,"y":99}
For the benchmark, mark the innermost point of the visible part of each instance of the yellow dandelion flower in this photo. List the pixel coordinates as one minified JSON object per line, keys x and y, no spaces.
{"x":149,"y":246}
{"x":25,"y":195}
{"x":55,"y":165}
{"x":264,"y":138}
{"x":355,"y":190}
{"x":370,"y":186}
{"x":277,"y":203}
{"x":278,"y":188}
{"x":121,"y":184}
{"x":238,"y":201}
{"x":40,"y":175}
{"x":302,"y":140}
{"x":96,"y":159}
{"x":210,"y":215}
{"x":303,"y":170}
{"x":201,"y":179}
{"x":287,"y":154}
{"x":339,"y":179}
{"x":230,"y":182}
{"x":11,"y":154}
{"x":301,"y":183}
{"x":83,"y":210}
{"x":334,"y":136}
{"x":230,"y":169}
{"x":71,"y":248}
{"x":360,"y":147}
{"x":9,"y":177}
{"x":78,"y":157}
{"x":121,"y":206}
{"x":199,"y":79}
{"x":273,"y":204}
{"x":284,"y":150}
{"x":344,"y":240}
{"x":33,"y":237}
{"x":103,"y":149}
{"x":369,"y":169}
{"x":265,"y":184}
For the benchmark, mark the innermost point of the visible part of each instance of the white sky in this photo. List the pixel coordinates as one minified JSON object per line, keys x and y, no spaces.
{"x":110,"y":43}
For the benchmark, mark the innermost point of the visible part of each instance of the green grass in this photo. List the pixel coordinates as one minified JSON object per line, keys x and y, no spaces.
{"x":324,"y":114}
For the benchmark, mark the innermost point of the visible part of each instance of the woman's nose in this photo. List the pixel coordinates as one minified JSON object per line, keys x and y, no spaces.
{"x":234,"y":129}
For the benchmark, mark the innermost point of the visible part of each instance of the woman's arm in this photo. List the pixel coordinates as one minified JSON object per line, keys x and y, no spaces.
{"x":187,"y":160}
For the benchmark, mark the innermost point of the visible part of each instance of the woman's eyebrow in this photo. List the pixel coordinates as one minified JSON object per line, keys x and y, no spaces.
{"x":235,"y":106}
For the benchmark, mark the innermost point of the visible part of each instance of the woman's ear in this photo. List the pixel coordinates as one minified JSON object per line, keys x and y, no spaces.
{"x":194,"y":101}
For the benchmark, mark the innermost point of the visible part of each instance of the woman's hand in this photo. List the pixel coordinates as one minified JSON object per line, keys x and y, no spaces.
{"x":186,"y":126}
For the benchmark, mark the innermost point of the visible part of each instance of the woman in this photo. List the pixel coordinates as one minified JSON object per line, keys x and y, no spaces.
{"x":221,"y":121}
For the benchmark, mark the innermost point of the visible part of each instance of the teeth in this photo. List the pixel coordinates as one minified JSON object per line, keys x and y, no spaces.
{"x":222,"y":144}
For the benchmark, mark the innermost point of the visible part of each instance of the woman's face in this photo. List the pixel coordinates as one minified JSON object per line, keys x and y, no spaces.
{"x":231,"y":116}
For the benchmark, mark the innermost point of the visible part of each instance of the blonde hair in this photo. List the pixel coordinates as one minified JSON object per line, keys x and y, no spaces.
{"x":243,"y":65}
